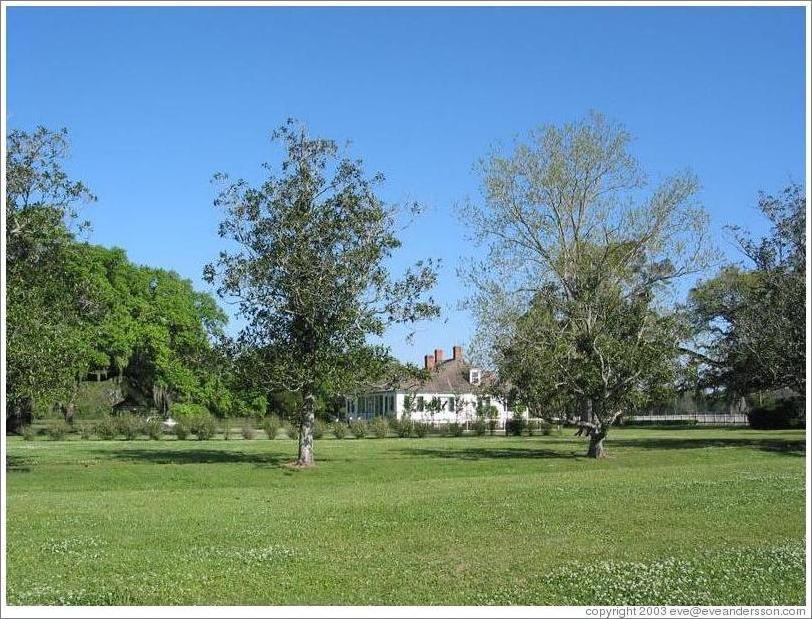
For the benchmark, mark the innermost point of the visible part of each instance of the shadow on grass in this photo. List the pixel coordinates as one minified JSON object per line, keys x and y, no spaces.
{"x":197,"y":456}
{"x":786,"y":447}
{"x":533,"y":451}
{"x":493,"y":453}
{"x":17,"y":464}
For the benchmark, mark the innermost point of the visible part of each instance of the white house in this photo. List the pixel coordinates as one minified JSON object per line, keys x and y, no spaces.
{"x":452,"y":393}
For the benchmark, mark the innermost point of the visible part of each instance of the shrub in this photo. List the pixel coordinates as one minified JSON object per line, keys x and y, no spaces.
{"x":782,"y":414}
{"x":203,"y":426}
{"x":58,"y":430}
{"x":318,"y":429}
{"x":492,"y":426}
{"x":271,"y":427}
{"x":339,"y":429}
{"x":405,"y":428}
{"x":421,"y":429}
{"x":456,"y":429}
{"x":107,"y":429}
{"x":130,"y":426}
{"x":479,"y":427}
{"x":515,"y":425}
{"x":248,"y":432}
{"x":226,"y":429}
{"x":181,"y":430}
{"x":28,"y":433}
{"x":379,"y":427}
{"x":394,"y":425}
{"x":358,"y":428}
{"x":86,"y":431}
{"x":153,"y":428}
{"x":292,"y":430}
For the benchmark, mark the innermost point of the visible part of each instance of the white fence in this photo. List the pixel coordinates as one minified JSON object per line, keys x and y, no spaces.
{"x":706,"y":419}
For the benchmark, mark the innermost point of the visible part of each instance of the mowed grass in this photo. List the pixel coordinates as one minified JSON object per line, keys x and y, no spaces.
{"x":673,"y":516}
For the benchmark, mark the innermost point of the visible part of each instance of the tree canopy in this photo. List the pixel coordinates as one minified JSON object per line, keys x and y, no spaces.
{"x":570,"y":298}
{"x":310,"y":271}
{"x":750,"y":318}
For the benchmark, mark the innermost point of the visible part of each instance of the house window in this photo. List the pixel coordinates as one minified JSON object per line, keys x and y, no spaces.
{"x":452,"y":404}
{"x":474,"y":376}
{"x":421,"y":403}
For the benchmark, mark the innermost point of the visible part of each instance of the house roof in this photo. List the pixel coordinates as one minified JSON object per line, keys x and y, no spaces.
{"x":451,"y":376}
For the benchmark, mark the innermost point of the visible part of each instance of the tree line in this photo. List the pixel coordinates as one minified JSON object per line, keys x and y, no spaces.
{"x":574,"y":293}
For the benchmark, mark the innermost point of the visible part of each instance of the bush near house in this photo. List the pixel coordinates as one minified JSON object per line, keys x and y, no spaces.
{"x":379,"y":427}
{"x":515,"y":425}
{"x":339,"y":429}
{"x":358,"y":428}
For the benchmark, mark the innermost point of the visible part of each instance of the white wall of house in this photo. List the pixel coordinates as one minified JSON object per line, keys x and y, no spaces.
{"x":391,"y":404}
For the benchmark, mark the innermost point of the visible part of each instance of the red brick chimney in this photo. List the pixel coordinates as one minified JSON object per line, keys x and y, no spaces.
{"x":457,"y":353}
{"x":438,"y":356}
{"x":429,"y":362}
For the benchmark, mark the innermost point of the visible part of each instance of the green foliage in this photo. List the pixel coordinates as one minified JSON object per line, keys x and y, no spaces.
{"x":358,"y":428}
{"x":339,"y":429}
{"x":51,"y":306}
{"x":405,"y":428}
{"x":379,"y":427}
{"x":153,"y":428}
{"x":203,"y":426}
{"x":58,"y":430}
{"x":107,"y":428}
{"x":129,"y":426}
{"x":320,"y":286}
{"x":750,"y":324}
{"x":292,"y":430}
{"x":86,"y":431}
{"x":248,"y":432}
{"x":28,"y":433}
{"x":271,"y":426}
{"x":456,"y":429}
{"x":480,"y":427}
{"x":781,"y":414}
{"x":515,"y":425}
{"x":181,"y":430}
{"x":421,"y":429}
{"x":571,"y":307}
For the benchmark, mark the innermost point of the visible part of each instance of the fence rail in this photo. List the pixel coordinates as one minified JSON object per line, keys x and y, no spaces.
{"x":714,"y":419}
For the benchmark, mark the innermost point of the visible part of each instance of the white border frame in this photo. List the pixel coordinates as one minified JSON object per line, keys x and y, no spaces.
{"x":386,"y":611}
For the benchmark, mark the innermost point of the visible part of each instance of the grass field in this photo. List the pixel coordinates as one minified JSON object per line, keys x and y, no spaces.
{"x":673,"y":516}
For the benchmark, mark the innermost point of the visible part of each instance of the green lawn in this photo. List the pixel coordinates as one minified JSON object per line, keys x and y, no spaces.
{"x":673,"y":516}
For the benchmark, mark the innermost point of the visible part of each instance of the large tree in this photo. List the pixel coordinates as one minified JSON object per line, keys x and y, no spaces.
{"x":50,"y":305}
{"x":308,"y":268}
{"x":751,"y":317}
{"x":571,"y":298}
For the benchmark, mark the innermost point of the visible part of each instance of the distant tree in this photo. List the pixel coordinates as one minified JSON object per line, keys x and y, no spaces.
{"x":571,"y":297}
{"x":751,"y":322}
{"x":310,"y":272}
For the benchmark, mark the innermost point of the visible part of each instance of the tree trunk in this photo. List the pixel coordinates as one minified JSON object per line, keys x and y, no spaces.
{"x":596,"y":449}
{"x":306,"y":433}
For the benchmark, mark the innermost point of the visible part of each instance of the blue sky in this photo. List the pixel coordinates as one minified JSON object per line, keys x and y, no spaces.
{"x":158,"y":99}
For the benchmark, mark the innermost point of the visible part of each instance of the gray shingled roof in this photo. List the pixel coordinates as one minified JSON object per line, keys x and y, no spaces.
{"x":449,"y":376}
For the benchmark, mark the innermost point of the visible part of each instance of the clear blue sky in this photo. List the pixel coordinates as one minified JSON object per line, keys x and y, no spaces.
{"x":158,"y":99}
